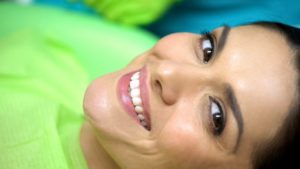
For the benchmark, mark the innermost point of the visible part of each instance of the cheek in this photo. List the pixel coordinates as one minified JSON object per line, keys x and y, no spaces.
{"x":184,"y":142}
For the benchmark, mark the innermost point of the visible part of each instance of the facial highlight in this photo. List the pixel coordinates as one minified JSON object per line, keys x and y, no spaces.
{"x":195,"y":101}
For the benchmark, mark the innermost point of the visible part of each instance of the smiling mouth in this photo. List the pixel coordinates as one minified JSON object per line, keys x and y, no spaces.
{"x":135,"y":93}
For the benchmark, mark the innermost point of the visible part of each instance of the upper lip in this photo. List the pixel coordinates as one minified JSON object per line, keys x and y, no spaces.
{"x":125,"y":98}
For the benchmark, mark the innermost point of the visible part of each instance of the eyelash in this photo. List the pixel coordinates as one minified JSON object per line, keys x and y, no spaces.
{"x":215,"y":118}
{"x":217,"y":129}
{"x":207,"y":53}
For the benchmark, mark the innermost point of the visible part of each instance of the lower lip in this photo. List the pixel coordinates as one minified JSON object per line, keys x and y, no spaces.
{"x":124,"y":97}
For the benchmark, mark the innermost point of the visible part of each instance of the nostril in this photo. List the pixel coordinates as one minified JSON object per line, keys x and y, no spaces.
{"x":158,"y":87}
{"x":164,"y":95}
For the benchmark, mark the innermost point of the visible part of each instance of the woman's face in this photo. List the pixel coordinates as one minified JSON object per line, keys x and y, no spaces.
{"x":202,"y":101}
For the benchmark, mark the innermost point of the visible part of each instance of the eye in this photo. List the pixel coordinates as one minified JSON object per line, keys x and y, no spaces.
{"x":207,"y":45}
{"x":217,"y":117}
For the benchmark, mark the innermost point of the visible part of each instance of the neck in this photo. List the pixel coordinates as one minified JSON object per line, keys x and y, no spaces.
{"x":95,"y":156}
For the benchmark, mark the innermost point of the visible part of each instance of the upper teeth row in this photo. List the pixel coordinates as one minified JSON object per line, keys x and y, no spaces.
{"x":134,"y":91}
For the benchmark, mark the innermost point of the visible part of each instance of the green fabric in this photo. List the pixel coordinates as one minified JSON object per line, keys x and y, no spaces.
{"x":131,"y":12}
{"x":47,"y":58}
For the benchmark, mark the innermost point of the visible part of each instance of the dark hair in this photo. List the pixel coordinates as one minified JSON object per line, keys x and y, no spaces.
{"x":283,"y":151}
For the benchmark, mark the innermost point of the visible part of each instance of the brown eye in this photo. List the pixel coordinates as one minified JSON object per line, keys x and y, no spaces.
{"x":217,"y":117}
{"x":207,"y":47}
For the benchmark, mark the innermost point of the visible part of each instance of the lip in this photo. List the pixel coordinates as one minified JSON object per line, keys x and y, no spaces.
{"x":125,"y":98}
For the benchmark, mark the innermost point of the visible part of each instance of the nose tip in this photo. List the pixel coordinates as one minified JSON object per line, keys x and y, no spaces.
{"x":165,"y":80}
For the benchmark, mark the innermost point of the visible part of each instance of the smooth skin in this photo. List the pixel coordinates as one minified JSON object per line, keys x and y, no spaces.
{"x":255,"y":63}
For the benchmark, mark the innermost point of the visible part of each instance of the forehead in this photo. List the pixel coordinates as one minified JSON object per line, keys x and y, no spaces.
{"x":258,"y":66}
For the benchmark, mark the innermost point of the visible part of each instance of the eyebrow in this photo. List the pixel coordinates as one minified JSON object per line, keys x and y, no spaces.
{"x":237,"y":114}
{"x":222,"y":40}
{"x":229,"y":92}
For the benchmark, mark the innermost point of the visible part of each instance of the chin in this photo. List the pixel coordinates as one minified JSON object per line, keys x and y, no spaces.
{"x":99,"y":103}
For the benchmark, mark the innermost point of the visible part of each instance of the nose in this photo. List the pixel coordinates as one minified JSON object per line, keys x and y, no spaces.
{"x":173,"y":80}
{"x":174,"y":71}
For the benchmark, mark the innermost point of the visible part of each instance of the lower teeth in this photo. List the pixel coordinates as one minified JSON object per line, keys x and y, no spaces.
{"x":143,"y":123}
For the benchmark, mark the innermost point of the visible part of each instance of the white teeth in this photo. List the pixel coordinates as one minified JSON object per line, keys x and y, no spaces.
{"x":141,"y":117}
{"x":135,"y":93}
{"x":144,"y":123}
{"x":135,"y":76}
{"x":137,"y":101}
{"x":139,"y":109}
{"x":134,"y":84}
